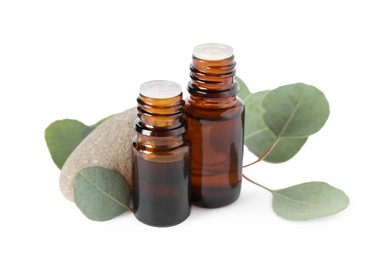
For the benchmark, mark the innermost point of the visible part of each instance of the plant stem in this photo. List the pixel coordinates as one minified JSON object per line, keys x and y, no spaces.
{"x":253,"y":182}
{"x":268,"y":151}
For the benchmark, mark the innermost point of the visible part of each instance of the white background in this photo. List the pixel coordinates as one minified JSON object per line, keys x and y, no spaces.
{"x":86,"y":59}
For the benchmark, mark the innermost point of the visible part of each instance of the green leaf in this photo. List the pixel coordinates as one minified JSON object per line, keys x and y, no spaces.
{"x":244,"y":90}
{"x":258,"y":137}
{"x":284,"y":148}
{"x":101,"y":194}
{"x":63,"y":136}
{"x":309,"y":201}
{"x":254,"y":114}
{"x":296,"y":110}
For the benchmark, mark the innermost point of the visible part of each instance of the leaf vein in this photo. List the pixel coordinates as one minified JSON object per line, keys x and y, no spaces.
{"x":291,"y":116}
{"x":255,"y":133}
{"x":106,"y":194}
{"x":300,"y":202}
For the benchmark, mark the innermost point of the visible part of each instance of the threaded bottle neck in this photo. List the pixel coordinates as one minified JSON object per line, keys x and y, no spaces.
{"x":213,"y":78}
{"x":159,"y":111}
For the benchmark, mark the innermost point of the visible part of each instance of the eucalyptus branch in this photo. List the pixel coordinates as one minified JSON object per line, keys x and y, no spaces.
{"x":256,"y":183}
{"x":263,"y":156}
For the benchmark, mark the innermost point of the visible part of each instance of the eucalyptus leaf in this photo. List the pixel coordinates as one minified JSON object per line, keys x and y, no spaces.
{"x":258,"y":137}
{"x":101,"y":194}
{"x":308,"y":201}
{"x":296,"y":110}
{"x":243,"y":89}
{"x":63,"y":136}
{"x":254,"y":123}
{"x":284,"y":147}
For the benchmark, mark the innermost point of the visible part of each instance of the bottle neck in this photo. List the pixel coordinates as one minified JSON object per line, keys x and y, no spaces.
{"x":160,"y":116}
{"x":153,"y":143}
{"x":212,"y":79}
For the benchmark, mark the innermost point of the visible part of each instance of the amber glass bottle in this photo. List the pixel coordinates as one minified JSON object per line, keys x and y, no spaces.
{"x":160,"y":165}
{"x":215,"y":118}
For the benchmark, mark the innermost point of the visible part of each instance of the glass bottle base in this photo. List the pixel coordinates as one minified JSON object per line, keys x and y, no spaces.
{"x":215,"y":197}
{"x":154,"y":223}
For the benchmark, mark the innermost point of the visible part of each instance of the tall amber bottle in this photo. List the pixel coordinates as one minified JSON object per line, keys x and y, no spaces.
{"x":160,"y":165}
{"x":215,"y":118}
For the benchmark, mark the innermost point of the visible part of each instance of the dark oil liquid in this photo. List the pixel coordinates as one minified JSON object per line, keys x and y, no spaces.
{"x":216,"y":165}
{"x":161,"y":191}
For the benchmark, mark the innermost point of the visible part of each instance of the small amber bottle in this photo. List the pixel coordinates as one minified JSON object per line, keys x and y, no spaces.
{"x":160,"y":165}
{"x":215,"y":118}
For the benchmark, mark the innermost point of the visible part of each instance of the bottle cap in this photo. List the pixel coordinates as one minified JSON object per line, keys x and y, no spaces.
{"x":213,"y":51}
{"x":160,"y":89}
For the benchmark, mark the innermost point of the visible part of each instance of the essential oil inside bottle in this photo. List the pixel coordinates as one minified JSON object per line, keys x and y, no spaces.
{"x":161,"y":178}
{"x":162,"y":198}
{"x":215,"y":118}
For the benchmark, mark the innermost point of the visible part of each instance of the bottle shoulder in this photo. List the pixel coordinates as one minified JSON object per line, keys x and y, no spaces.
{"x":159,"y":144}
{"x":154,"y":152}
{"x":214,"y":103}
{"x":214,"y":110}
